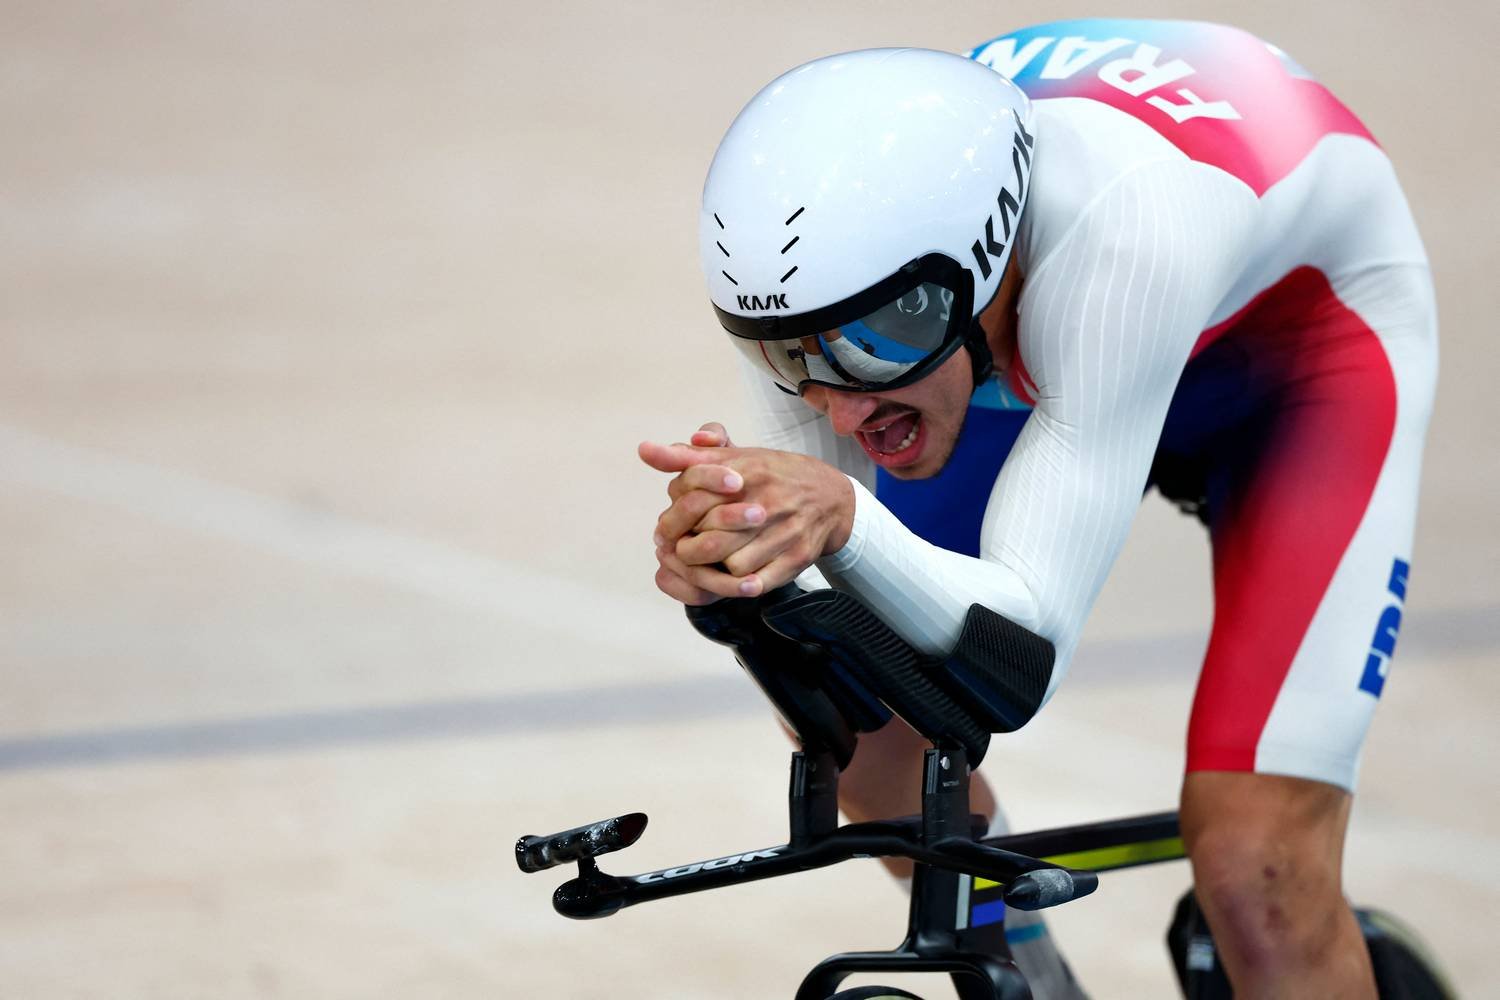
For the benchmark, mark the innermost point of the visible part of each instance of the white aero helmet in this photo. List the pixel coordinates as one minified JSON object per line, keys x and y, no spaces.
{"x":860,"y":213}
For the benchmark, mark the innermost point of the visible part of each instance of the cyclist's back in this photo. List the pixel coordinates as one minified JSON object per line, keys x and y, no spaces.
{"x":1112,"y":95}
{"x":1172,"y":99}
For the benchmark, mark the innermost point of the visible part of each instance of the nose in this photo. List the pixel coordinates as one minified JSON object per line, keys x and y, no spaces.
{"x":845,"y":410}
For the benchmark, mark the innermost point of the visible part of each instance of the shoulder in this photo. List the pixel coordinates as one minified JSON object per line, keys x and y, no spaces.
{"x":1092,"y":158}
{"x":1083,"y":149}
{"x":1219,"y":94}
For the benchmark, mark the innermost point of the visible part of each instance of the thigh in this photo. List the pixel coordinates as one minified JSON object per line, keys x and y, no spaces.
{"x":1311,"y":511}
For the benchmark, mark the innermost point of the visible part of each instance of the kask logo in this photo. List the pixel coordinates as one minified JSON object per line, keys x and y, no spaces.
{"x":754,"y":302}
{"x":1383,"y":646}
{"x":1008,"y":202}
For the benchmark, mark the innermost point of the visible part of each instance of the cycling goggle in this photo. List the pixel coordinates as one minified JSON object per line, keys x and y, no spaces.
{"x":890,"y":335}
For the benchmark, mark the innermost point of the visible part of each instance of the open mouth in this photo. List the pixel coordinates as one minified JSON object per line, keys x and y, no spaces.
{"x":896,"y":442}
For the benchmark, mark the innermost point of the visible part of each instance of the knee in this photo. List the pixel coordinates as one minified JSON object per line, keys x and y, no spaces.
{"x":1270,"y":895}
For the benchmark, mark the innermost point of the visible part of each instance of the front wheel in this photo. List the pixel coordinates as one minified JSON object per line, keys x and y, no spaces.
{"x":874,"y":993}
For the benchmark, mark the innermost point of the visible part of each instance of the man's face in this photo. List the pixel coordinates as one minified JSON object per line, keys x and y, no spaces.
{"x":909,"y":432}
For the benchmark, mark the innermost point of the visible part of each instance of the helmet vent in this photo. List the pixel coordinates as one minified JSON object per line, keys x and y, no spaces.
{"x":792,"y":242}
{"x":725,"y":252}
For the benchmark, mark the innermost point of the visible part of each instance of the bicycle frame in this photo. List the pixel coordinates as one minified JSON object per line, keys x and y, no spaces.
{"x":960,"y":890}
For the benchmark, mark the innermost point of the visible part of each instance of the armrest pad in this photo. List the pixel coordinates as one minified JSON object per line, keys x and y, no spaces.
{"x":999,"y":670}
{"x":857,"y":638}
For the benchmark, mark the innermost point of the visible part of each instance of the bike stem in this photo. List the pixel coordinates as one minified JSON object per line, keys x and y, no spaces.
{"x":938,"y":937}
{"x":813,"y":798}
{"x":932,"y":920}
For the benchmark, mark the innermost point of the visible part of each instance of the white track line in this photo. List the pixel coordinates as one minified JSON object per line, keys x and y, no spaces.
{"x":340,"y":544}
{"x":337,"y":543}
{"x":566,"y":607}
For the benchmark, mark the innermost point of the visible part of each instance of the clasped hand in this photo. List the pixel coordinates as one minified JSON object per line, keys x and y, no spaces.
{"x":743,"y":520}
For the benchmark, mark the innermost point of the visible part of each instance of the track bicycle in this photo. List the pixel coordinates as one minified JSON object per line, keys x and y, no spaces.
{"x":834,"y":670}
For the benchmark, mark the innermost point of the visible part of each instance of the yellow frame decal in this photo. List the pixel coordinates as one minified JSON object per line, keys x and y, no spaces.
{"x":1105,"y":858}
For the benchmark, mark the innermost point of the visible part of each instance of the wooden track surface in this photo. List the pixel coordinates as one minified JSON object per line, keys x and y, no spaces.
{"x":326,"y":336}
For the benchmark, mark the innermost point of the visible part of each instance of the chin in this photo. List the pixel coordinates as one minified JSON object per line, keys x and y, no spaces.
{"x":927,"y":466}
{"x":917,"y":471}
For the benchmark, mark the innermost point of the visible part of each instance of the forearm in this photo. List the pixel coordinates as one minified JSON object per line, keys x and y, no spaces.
{"x":920,"y":590}
{"x":1054,"y":530}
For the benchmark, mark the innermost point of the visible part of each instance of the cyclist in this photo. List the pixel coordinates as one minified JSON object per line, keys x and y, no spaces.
{"x":984,"y":303}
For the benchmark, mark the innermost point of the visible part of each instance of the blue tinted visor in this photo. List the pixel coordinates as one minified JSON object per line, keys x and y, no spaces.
{"x":888,"y":336}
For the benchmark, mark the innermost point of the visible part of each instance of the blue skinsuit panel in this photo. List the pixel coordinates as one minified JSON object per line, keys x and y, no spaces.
{"x":948,"y":509}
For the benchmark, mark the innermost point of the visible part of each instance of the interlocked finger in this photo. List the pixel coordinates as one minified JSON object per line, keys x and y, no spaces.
{"x":766,"y":546}
{"x":707,"y":578}
{"x":732,"y":517}
{"x":711,"y":435}
{"x":713,"y":478}
{"x":678,"y":589}
{"x":782,"y":569}
{"x":711,"y":547}
{"x":686,"y":511}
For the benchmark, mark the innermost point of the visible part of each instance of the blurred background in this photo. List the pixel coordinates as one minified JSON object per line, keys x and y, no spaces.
{"x":327,"y":568}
